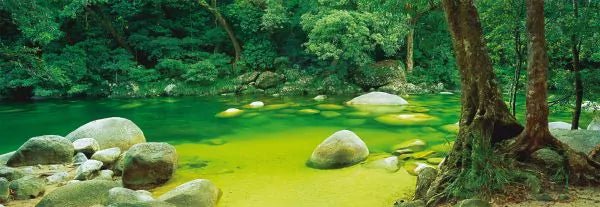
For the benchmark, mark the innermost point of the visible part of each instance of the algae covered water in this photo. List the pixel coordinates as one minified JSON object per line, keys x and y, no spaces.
{"x":258,"y":158}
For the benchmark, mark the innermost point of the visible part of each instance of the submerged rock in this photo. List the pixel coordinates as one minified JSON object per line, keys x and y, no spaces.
{"x":231,"y":112}
{"x":148,"y":165}
{"x":49,"y":149}
{"x":87,"y":146}
{"x":199,"y":192}
{"x":256,"y":104}
{"x":27,"y":188}
{"x":377,"y":98}
{"x":330,"y":107}
{"x":330,"y":114}
{"x":320,"y":98}
{"x":77,"y":194}
{"x":341,"y":149}
{"x":414,"y":145}
{"x":110,"y":132}
{"x":389,"y":164}
{"x":406,"y":119}
{"x":308,"y":111}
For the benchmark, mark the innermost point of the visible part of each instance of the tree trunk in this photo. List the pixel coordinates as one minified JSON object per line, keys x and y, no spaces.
{"x":517,"y":74}
{"x":485,"y":118}
{"x":575,"y":65}
{"x":225,"y":25}
{"x":108,"y":26}
{"x":410,"y":46}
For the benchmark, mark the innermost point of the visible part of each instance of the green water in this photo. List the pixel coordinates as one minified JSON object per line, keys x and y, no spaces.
{"x":258,"y":158}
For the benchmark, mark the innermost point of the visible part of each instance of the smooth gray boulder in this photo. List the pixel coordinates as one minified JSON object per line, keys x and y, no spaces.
{"x":595,"y":124}
{"x":88,"y":170}
{"x":548,"y":158}
{"x":148,"y":165}
{"x":87,"y":146}
{"x":107,"y":156}
{"x":105,"y":175}
{"x":4,"y":157}
{"x":42,"y":150}
{"x":200,"y":192}
{"x":120,"y":195}
{"x":583,"y":141}
{"x":559,"y":125}
{"x":341,"y":149}
{"x":377,"y":98}
{"x":4,"y":190}
{"x":77,"y":194}
{"x":27,"y":188}
{"x":79,"y":158}
{"x":59,"y":177}
{"x":11,"y":173}
{"x":110,"y":132}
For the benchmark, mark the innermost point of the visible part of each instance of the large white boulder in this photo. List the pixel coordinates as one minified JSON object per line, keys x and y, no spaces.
{"x":110,"y":132}
{"x":377,"y":98}
{"x":341,"y":149}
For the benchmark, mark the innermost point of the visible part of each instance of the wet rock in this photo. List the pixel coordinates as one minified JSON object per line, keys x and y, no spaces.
{"x":11,"y":173}
{"x":88,"y":170}
{"x":49,"y":149}
{"x":341,"y":149}
{"x":231,"y":112}
{"x":87,"y":146}
{"x":148,"y":165}
{"x":27,"y":188}
{"x":83,"y":193}
{"x":377,"y":98}
{"x":548,"y":158}
{"x":583,"y":141}
{"x":559,"y":125}
{"x":389,"y":164}
{"x":473,"y":202}
{"x":320,"y":98}
{"x":199,"y":192}
{"x":119,"y":195}
{"x":107,"y":156}
{"x":256,"y":104}
{"x":110,"y":132}
{"x":79,"y":158}
{"x":58,"y":177}
{"x":413,"y":145}
{"x":414,"y":119}
{"x":424,"y":180}
{"x":269,"y":79}
{"x":4,"y":190}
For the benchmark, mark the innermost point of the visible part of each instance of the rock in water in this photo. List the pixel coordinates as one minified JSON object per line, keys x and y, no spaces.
{"x":256,"y":104}
{"x":231,"y":112}
{"x":110,"y":132}
{"x":121,"y":195}
{"x":88,"y":170}
{"x":377,"y":98}
{"x":27,"y":188}
{"x":148,"y":165}
{"x":559,"y":125}
{"x":42,"y":150}
{"x":107,"y":156}
{"x":87,"y":146}
{"x":199,"y":192}
{"x":320,"y":98}
{"x":424,"y":179}
{"x":343,"y":148}
{"x":84,"y":193}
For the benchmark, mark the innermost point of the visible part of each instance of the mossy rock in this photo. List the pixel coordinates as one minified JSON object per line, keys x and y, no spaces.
{"x":379,"y":109}
{"x":414,"y":168}
{"x":423,"y":154}
{"x":330,"y":114}
{"x":276,"y":106}
{"x":308,"y":111}
{"x":450,"y":128}
{"x":414,"y":145}
{"x":229,"y":113}
{"x":359,"y":114}
{"x":415,"y":119}
{"x":330,"y":107}
{"x":435,"y":160}
{"x":84,"y":193}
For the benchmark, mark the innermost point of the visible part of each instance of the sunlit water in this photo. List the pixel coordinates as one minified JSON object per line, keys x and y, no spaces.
{"x":258,"y":158}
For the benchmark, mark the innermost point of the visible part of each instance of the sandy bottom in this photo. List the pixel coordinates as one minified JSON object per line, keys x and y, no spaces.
{"x":270,"y":171}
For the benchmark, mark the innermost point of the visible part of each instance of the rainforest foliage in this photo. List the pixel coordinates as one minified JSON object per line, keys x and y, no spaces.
{"x":116,"y":48}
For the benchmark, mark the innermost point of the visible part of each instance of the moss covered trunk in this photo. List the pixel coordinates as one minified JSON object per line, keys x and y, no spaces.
{"x":485,"y":118}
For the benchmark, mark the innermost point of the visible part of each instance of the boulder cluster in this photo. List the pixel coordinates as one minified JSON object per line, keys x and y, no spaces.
{"x":106,"y":162}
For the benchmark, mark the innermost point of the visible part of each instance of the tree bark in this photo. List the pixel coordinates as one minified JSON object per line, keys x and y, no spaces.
{"x":575,"y":64}
{"x":225,"y":25}
{"x":108,"y":26}
{"x":518,"y":60}
{"x":410,"y":47}
{"x":485,"y":118}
